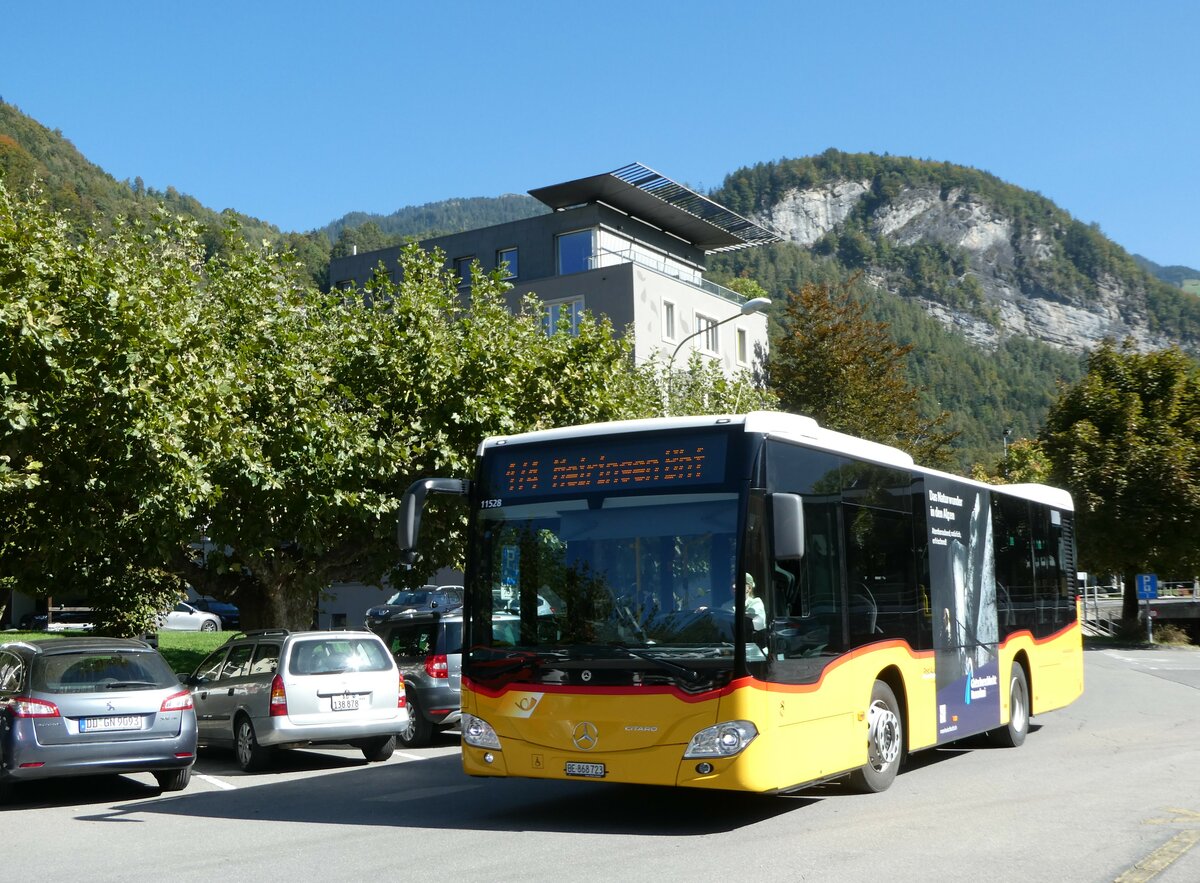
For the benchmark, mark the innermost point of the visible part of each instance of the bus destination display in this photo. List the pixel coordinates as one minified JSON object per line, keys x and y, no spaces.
{"x":541,"y":470}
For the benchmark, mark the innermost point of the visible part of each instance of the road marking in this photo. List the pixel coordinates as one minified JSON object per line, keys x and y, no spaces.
{"x":410,"y":756}
{"x":215,"y":782}
{"x":1161,"y":859}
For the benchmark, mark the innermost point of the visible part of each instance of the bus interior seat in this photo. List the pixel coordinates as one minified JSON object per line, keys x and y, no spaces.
{"x":864,"y":612}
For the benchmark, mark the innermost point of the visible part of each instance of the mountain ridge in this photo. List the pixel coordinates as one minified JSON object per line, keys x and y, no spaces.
{"x":998,"y":290}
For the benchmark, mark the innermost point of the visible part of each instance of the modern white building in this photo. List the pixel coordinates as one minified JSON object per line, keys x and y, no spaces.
{"x":628,"y":244}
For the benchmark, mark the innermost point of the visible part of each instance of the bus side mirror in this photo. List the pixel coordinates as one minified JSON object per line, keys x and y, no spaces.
{"x":409,"y":527}
{"x":787,"y":512}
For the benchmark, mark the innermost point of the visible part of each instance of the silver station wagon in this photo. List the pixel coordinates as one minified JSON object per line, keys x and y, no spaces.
{"x":86,"y":706}
{"x":278,"y":689}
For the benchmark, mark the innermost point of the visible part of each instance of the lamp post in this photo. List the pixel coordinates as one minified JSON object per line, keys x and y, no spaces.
{"x":754,"y":305}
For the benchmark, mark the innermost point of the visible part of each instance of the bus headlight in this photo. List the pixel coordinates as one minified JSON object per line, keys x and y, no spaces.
{"x":722,"y":740}
{"x":478,"y":732}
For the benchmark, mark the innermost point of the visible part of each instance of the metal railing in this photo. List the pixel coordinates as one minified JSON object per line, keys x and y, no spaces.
{"x":663,"y":268}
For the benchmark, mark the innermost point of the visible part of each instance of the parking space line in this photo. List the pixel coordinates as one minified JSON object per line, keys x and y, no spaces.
{"x":215,"y":782}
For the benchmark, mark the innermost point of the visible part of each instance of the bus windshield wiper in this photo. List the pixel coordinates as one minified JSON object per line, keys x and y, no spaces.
{"x":690,"y":674}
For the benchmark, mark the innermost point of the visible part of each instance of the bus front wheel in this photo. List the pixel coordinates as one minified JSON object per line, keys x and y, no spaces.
{"x":885,"y":742}
{"x":1013,"y":734}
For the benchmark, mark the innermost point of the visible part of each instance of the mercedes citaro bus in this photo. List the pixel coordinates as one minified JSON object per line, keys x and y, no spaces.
{"x":750,"y":603}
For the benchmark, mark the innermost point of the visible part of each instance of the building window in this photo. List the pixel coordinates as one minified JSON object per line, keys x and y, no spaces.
{"x":508,"y":256}
{"x":575,"y":251}
{"x":668,"y":322}
{"x":707,"y":333}
{"x":462,"y":269}
{"x":563,"y":315}
{"x":743,"y":347}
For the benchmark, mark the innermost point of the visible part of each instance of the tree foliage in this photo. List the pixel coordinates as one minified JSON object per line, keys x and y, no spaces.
{"x":1126,"y":441}
{"x":1024,"y":461}
{"x":170,"y":412}
{"x":834,"y":365}
{"x":100,"y":395}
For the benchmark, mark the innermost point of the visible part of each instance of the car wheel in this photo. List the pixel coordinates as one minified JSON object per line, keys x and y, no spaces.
{"x":208,"y":626}
{"x":6,"y":790}
{"x":174,"y":780}
{"x":250,"y":755}
{"x":419,"y":731}
{"x":378,"y":750}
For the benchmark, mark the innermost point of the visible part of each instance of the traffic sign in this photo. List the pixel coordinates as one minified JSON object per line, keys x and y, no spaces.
{"x":1147,"y":586}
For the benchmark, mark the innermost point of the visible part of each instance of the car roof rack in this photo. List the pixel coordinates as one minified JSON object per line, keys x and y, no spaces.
{"x":257,"y":633}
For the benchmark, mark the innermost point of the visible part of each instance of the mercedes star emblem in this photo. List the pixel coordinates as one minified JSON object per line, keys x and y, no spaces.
{"x":585,"y":736}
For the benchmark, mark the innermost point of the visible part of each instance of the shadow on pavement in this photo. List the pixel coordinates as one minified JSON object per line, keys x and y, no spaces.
{"x":436,"y":794}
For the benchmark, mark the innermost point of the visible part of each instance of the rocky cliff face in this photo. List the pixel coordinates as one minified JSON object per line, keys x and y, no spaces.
{"x":1004,"y":258}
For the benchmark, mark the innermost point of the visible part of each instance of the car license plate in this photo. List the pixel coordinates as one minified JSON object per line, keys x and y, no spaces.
{"x":345,"y":702}
{"x":590,"y":770}
{"x":110,"y":724}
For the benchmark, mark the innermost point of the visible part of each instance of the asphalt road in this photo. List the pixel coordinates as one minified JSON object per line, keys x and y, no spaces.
{"x":1106,"y":790}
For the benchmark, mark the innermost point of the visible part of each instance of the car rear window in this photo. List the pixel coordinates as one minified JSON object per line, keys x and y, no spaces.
{"x":92,"y":672}
{"x":405,"y":599}
{"x":506,"y":632}
{"x":335,"y":655}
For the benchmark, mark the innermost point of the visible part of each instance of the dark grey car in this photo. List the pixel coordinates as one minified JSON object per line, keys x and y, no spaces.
{"x":427,"y":646}
{"x":85,"y":706}
{"x":428,"y":598}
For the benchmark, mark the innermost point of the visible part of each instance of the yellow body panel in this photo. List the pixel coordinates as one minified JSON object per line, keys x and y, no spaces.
{"x":807,"y":733}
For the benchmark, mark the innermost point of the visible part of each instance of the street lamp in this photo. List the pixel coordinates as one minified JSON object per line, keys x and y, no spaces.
{"x":754,"y":305}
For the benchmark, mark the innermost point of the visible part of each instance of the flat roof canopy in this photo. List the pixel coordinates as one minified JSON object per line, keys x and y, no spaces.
{"x":645,"y":194}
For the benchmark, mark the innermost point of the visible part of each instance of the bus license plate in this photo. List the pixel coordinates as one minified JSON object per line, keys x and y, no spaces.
{"x":110,"y":724}
{"x":345,"y":702}
{"x":590,"y":770}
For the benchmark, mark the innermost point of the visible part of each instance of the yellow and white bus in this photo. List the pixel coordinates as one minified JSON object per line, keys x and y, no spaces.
{"x":750,"y":603}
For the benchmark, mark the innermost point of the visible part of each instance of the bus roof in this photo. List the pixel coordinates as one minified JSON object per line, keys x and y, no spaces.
{"x":792,"y":427}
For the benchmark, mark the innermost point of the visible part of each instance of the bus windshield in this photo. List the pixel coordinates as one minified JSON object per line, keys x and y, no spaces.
{"x":627,"y":588}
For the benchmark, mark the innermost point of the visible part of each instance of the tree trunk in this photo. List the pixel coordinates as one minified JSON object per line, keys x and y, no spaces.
{"x":1129,"y":605}
{"x":277,"y":607}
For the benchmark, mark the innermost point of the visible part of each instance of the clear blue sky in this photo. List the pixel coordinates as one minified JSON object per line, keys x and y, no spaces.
{"x":300,"y":112}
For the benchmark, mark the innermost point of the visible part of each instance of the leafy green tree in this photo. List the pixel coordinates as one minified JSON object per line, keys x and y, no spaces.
{"x":100,"y":392}
{"x":1023,"y":461}
{"x":1126,"y":441}
{"x":339,"y":402}
{"x":173,"y":412}
{"x":849,"y":374}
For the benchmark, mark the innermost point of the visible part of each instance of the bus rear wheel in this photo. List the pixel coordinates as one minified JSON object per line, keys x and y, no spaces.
{"x":885,"y":742}
{"x":1013,"y":734}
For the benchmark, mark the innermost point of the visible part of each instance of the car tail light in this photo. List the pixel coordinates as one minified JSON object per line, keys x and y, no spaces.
{"x":402,"y":702}
{"x":436,"y":666}
{"x":181,"y":701}
{"x":278,"y":698}
{"x":34,"y":708}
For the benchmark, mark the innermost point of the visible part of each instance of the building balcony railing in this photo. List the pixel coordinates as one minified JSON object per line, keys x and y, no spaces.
{"x":607,"y":258}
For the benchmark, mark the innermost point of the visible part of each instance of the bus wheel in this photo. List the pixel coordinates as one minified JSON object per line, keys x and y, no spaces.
{"x":885,"y":741}
{"x":1012,"y":735}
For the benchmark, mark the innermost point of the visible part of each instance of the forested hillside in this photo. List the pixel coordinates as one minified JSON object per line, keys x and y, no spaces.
{"x":30,"y":153}
{"x":440,"y":218}
{"x":1000,"y":292}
